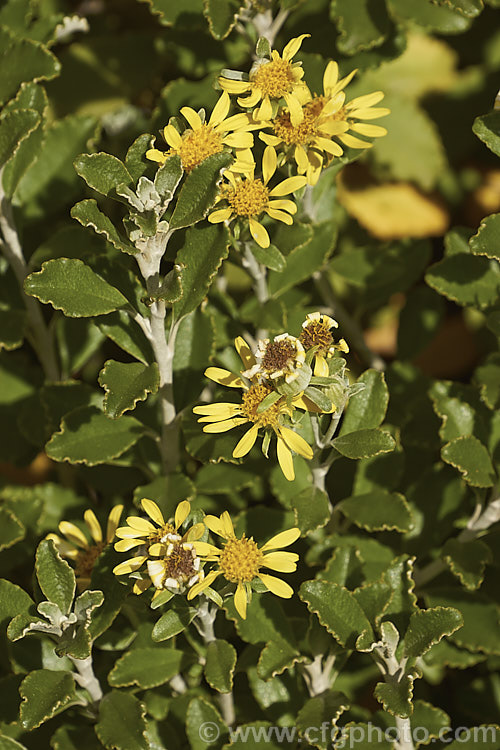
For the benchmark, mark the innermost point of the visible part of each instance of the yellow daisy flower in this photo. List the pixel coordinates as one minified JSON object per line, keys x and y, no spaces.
{"x":224,"y":416}
{"x":202,"y":139}
{"x":282,"y":357}
{"x":317,"y":332}
{"x":249,"y":198}
{"x":310,"y":143}
{"x":177,"y":570}
{"x":272,"y":80}
{"x":151,"y":538}
{"x":240,"y":560}
{"x":79,"y":549}
{"x":360,"y":108}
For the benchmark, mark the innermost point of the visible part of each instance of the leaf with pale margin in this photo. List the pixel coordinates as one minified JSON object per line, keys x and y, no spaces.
{"x":15,"y":126}
{"x":125,"y":384}
{"x":364,"y":443}
{"x":367,"y":408}
{"x":471,"y":458}
{"x":121,"y":724}
{"x":55,"y":576}
{"x":428,"y":626}
{"x":88,"y":436}
{"x":198,"y":193}
{"x":45,"y":694}
{"x":102,"y":172}
{"x":88,"y":214}
{"x":70,"y":285}
{"x":219,"y":666}
{"x":146,"y":667}
{"x":487,"y":129}
{"x":337,"y":610}
{"x":486,"y":241}
{"x":378,"y":511}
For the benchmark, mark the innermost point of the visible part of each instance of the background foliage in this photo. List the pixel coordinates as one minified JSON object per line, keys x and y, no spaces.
{"x":401,"y":245}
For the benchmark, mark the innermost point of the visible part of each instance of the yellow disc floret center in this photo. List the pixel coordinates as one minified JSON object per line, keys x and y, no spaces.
{"x":252,"y":400}
{"x":248,"y":198}
{"x":197,"y":145}
{"x":275,"y":78}
{"x":306,"y":131}
{"x":240,"y":560}
{"x":316,"y":333}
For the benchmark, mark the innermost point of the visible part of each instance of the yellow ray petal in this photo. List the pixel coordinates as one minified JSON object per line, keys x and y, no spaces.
{"x":215,"y":524}
{"x":222,"y":214}
{"x":279,"y":216}
{"x":228,"y":525}
{"x":270,"y":140}
{"x":224,"y":377}
{"x":124,"y":545}
{"x":342,"y":83}
{"x":265,"y":111}
{"x":181,"y":513}
{"x":113,"y":521}
{"x":156,"y":571}
{"x":258,"y":232}
{"x":157,"y":549}
{"x":285,"y":460}
{"x":202,"y":585}
{"x":232,"y":86}
{"x":217,"y":412}
{"x":141,"y":586}
{"x":295,"y":109}
{"x":296,"y":443}
{"x":283,"y":539}
{"x":330,"y":76}
{"x":129,"y":566}
{"x":321,"y":369}
{"x":140,"y":524}
{"x":246,"y":443}
{"x":352,"y":142}
{"x":192,"y":117}
{"x":194,"y":533}
{"x":244,"y":352}
{"x":240,"y":601}
{"x":94,"y":525}
{"x":282,"y":562}
{"x":290,"y":185}
{"x":269,"y":163}
{"x":372,"y":131}
{"x":153,"y":511}
{"x":301,"y":158}
{"x":220,"y":110}
{"x":155,"y":155}
{"x":284,"y":204}
{"x":276,"y":586}
{"x":329,"y":146}
{"x":368,"y":100}
{"x":125,"y":532}
{"x":74,"y":534}
{"x":224,"y":425}
{"x":293,"y":46}
{"x":372,"y":113}
{"x":238,"y":140}
{"x":205,"y":549}
{"x":172,"y":136}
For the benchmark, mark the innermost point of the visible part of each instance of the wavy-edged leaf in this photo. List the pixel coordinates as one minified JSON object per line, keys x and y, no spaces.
{"x":471,"y":458}
{"x":219,"y":666}
{"x":121,"y":724}
{"x":364,"y":443}
{"x":467,"y":560}
{"x":198,"y":192}
{"x":102,"y":172}
{"x":45,"y":693}
{"x":367,"y":408}
{"x":487,"y":128}
{"x":55,"y":577}
{"x":15,"y":126}
{"x":396,"y":695}
{"x":11,"y":528}
{"x":70,"y":285}
{"x":24,"y":60}
{"x":337,"y":610}
{"x":146,"y":667}
{"x":378,"y":511}
{"x":428,"y":626}
{"x":125,"y":384}
{"x":88,"y":214}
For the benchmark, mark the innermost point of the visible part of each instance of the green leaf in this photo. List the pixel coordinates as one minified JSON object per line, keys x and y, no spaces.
{"x":468,"y":8}
{"x":121,"y":724}
{"x":103,"y":579}
{"x":311,"y":508}
{"x":362,"y":24}
{"x":45,"y":694}
{"x":126,"y":384}
{"x":12,"y":328}
{"x":201,"y":256}
{"x":13,"y":601}
{"x":181,"y":16}
{"x":7,"y":743}
{"x":204,"y":726}
{"x":198,"y":193}
{"x":419,"y":321}
{"x":24,"y":60}
{"x":368,"y":734}
{"x":70,"y":285}
{"x":277,"y":656}
{"x":467,"y":560}
{"x":15,"y":126}
{"x":481,"y":628}
{"x":395,"y":696}
{"x":55,"y":577}
{"x":373,"y":598}
{"x":453,"y":275}
{"x":146,"y":667}
{"x":11,"y":529}
{"x":325,"y":709}
{"x":307,"y":256}
{"x":488,"y":378}
{"x":429,"y":15}
{"x":221,"y":16}
{"x":102,"y":172}
{"x":364,"y":443}
{"x":88,"y":436}
{"x":337,"y":610}
{"x":172,"y":622}
{"x":487,"y":128}
{"x":487,"y":239}
{"x":135,"y":160}
{"x":120,"y":328}
{"x":403,"y":602}
{"x":432,"y":718}
{"x":367,"y":408}
{"x":168,"y":177}
{"x":88,"y":214}
{"x":470,"y":457}
{"x":219,"y":666}
{"x":427,"y":627}
{"x":378,"y":511}
{"x":270,"y":257}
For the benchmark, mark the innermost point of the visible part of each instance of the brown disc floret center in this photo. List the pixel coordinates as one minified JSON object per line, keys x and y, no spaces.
{"x":278,"y":355}
{"x":179,"y":563}
{"x":316,"y":334}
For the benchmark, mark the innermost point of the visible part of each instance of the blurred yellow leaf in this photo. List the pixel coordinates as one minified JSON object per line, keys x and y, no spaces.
{"x":392,"y":210}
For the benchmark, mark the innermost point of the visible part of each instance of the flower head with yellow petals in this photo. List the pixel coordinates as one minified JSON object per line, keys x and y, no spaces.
{"x":361,"y":108}
{"x":248,"y":197}
{"x":273,"y":418}
{"x":154,"y":539}
{"x":240,"y":561}
{"x":81,"y":550}
{"x":317,"y":333}
{"x":283,"y":357}
{"x":270,"y":81}
{"x":203,"y":139}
